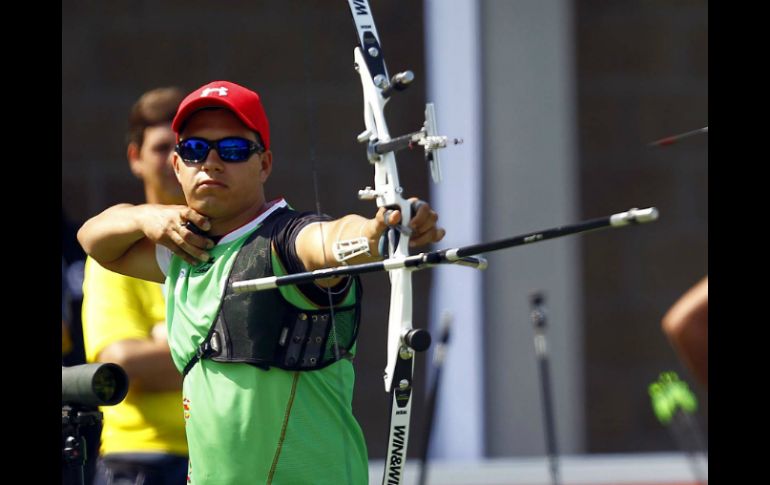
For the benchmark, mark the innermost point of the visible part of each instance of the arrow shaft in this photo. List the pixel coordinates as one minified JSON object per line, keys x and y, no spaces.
{"x":461,"y":255}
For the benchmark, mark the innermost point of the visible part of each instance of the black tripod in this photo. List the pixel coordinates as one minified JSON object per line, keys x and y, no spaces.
{"x":439,"y":355}
{"x":73,"y":418}
{"x":537,"y":300}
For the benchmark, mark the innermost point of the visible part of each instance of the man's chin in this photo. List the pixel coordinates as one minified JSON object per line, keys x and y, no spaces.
{"x":207,"y":207}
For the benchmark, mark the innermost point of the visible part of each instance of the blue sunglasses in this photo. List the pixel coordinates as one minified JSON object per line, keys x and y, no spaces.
{"x":232,"y":149}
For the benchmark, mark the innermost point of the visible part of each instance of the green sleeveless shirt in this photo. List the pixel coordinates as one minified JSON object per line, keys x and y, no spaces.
{"x":246,"y":425}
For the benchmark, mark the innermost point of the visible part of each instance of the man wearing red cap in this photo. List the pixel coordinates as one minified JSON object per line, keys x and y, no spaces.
{"x":268,"y":377}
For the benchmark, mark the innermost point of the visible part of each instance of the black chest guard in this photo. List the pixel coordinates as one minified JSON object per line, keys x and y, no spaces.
{"x":263,"y":329}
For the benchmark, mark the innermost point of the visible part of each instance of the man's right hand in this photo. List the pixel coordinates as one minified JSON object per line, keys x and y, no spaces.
{"x":165,"y":225}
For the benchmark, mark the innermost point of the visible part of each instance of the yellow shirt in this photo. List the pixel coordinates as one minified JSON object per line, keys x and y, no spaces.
{"x":117,"y":307}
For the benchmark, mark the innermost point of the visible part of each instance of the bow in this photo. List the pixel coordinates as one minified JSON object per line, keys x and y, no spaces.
{"x":403,"y":340}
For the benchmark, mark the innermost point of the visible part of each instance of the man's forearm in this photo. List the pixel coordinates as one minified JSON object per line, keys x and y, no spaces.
{"x":110,"y":234}
{"x":315,"y":243}
{"x":324,"y":235}
{"x":349,"y":228}
{"x":147,"y":362}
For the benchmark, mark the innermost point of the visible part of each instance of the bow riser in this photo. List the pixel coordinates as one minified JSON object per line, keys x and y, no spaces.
{"x":387,"y":191}
{"x":387,"y":188}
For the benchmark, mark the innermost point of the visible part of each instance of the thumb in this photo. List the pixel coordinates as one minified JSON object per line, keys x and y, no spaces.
{"x":384,"y":219}
{"x":391,"y":217}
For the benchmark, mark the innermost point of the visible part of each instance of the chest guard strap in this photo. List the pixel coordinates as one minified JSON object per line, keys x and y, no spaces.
{"x":263,"y":329}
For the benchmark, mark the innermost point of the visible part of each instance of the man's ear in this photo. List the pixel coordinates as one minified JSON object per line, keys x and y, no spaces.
{"x":267,"y":166}
{"x":134,"y":160}
{"x":175,"y":164}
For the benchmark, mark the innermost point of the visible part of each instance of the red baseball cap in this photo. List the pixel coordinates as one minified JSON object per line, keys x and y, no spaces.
{"x":244,"y":103}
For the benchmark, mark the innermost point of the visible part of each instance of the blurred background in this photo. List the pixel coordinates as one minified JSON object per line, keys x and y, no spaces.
{"x":556,"y":102}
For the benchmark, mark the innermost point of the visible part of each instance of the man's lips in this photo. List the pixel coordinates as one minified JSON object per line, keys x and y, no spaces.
{"x":210,"y":183}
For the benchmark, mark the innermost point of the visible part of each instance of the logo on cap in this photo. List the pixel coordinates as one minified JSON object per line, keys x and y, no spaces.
{"x":220,"y":91}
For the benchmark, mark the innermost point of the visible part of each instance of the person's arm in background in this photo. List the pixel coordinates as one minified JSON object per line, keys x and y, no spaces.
{"x":120,"y":325}
{"x":686,"y":326}
{"x":66,"y":339}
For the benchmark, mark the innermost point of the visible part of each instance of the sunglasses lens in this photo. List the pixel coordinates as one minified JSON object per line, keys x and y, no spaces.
{"x":194,"y":150}
{"x":234,"y":150}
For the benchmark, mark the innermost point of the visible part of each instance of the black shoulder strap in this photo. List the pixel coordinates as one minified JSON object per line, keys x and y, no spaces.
{"x":254,"y":254}
{"x":264,"y":329}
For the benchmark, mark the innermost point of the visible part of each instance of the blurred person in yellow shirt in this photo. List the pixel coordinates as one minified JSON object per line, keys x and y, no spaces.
{"x":143,"y":439}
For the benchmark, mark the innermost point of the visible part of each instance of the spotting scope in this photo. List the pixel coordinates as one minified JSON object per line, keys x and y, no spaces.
{"x":93,"y":384}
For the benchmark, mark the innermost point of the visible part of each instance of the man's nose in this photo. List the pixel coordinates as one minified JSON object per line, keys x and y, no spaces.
{"x":212,"y":161}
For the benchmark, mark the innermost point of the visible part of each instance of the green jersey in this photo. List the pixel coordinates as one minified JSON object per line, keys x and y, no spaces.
{"x":246,"y":425}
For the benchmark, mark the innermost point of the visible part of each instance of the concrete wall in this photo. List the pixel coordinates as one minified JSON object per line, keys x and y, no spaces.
{"x":642,"y":74}
{"x":529,"y":184}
